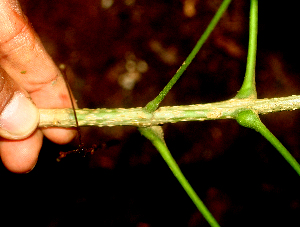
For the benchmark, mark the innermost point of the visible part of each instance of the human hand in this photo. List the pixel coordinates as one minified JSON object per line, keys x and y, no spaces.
{"x":29,"y":80}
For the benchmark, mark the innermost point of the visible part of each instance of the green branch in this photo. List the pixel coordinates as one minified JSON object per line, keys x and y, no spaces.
{"x":248,"y":89}
{"x":155,"y":135}
{"x":153,"y":105}
{"x":139,"y":117}
{"x":250,"y":119}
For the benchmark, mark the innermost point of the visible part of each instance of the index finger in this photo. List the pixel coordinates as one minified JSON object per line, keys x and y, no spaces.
{"x":24,"y":58}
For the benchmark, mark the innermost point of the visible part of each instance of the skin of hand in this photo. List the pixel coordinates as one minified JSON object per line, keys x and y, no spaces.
{"x":29,"y":79}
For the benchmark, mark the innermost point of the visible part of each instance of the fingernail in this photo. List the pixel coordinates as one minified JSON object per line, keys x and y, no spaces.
{"x":19,"y":118}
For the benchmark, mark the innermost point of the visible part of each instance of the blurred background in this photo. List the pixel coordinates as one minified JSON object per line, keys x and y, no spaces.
{"x":121,"y":53}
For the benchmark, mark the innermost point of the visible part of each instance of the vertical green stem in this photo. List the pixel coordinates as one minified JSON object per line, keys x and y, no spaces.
{"x":248,"y":89}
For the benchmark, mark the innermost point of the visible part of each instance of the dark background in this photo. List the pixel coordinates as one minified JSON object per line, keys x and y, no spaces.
{"x":241,"y":178}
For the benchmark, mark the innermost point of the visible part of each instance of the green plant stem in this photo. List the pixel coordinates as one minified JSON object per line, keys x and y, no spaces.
{"x":168,"y":114}
{"x":154,"y":134}
{"x":250,"y":119}
{"x":248,"y":89}
{"x":153,"y":105}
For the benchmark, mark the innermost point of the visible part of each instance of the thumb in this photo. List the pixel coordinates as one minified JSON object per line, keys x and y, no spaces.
{"x":19,"y":117}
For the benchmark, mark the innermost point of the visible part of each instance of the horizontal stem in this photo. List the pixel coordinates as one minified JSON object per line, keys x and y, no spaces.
{"x":139,"y":117}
